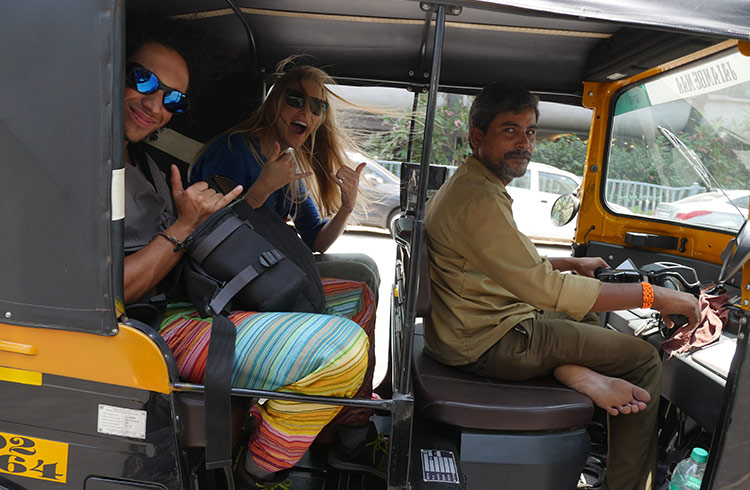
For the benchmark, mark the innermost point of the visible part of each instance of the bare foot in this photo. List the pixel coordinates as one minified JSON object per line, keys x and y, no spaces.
{"x":614,"y":395}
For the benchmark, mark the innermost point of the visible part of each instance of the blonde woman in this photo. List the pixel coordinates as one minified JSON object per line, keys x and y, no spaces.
{"x":293,"y":139}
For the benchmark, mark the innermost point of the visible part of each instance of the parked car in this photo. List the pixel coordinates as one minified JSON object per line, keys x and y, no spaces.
{"x":709,"y":208}
{"x":533,"y":196}
{"x":381,"y":195}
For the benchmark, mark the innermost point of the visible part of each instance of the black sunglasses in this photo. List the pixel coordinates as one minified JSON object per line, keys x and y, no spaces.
{"x":145,"y":82}
{"x":296,"y":99}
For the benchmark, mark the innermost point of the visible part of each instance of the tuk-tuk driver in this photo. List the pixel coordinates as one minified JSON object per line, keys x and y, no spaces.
{"x":502,"y":311}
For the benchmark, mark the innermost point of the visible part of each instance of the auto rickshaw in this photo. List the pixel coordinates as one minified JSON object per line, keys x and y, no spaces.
{"x":91,"y":399}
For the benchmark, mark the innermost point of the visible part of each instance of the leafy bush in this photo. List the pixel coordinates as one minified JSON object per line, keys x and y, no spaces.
{"x":450,"y":136}
{"x":567,"y":152}
{"x":661,"y":164}
{"x":450,"y":139}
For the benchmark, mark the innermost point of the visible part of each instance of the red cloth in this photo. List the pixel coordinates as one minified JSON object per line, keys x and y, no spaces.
{"x":713,"y":318}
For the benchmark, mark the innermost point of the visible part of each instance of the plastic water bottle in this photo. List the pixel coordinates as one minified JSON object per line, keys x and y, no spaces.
{"x":688,"y":473}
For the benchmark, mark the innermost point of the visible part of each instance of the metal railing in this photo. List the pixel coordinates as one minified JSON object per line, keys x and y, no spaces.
{"x":642,"y":198}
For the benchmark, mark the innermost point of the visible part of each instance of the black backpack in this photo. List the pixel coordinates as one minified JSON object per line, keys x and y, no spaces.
{"x":252,"y":258}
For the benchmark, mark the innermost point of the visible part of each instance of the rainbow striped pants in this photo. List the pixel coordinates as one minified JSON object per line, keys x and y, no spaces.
{"x":316,"y":354}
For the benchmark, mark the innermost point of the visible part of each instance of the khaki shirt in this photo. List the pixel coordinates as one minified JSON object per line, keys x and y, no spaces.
{"x":486,"y":276}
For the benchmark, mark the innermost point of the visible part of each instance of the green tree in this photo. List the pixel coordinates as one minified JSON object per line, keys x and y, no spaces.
{"x":450,"y":135}
{"x":567,"y":152}
{"x":636,"y":160}
{"x":661,"y":164}
{"x":450,"y":139}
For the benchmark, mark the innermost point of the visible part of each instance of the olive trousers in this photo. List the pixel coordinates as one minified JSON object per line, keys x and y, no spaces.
{"x":534,"y":347}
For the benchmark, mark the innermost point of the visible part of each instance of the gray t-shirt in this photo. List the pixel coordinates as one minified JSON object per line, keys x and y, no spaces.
{"x":148,"y":207}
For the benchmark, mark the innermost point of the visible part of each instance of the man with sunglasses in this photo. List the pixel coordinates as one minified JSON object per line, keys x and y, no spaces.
{"x":156,"y":81}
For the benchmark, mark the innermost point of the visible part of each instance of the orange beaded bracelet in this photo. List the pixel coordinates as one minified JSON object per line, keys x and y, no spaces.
{"x":648,"y":295}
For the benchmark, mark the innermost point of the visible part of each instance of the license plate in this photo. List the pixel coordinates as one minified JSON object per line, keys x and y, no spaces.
{"x":33,"y":458}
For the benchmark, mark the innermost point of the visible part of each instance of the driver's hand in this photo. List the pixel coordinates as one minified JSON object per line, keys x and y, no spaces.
{"x":585,"y":266}
{"x":199,"y":201}
{"x":670,"y":302}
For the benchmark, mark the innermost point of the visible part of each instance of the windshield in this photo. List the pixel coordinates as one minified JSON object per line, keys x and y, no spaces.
{"x":680,"y":145}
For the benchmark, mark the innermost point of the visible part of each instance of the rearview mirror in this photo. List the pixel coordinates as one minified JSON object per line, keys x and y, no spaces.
{"x":564,"y":209}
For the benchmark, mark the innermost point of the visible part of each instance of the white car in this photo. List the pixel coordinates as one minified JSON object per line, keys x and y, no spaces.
{"x":533,"y":196}
{"x":381,"y":203}
{"x":709,"y":208}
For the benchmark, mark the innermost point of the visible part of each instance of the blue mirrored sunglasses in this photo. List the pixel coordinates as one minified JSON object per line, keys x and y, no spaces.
{"x":145,"y":82}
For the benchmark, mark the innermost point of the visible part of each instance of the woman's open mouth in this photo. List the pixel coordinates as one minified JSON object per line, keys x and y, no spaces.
{"x":299,"y":127}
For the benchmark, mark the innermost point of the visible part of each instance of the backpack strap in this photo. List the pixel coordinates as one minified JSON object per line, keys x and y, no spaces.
{"x":218,"y":393}
{"x":218,"y":377}
{"x":217,"y":236}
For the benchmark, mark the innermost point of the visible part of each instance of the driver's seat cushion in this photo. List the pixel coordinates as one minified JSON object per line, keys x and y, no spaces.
{"x":450,"y":395}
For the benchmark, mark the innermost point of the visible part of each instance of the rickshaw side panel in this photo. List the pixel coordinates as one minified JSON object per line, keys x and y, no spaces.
{"x":65,"y":431}
{"x":83,"y":405}
{"x":731,"y":439}
{"x":57,"y":137}
{"x":131,"y":358}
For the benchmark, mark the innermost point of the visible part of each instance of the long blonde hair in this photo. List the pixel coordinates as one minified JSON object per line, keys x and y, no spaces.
{"x":324,"y":151}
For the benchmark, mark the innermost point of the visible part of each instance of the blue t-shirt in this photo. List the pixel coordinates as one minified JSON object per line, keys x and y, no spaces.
{"x":240,"y":165}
